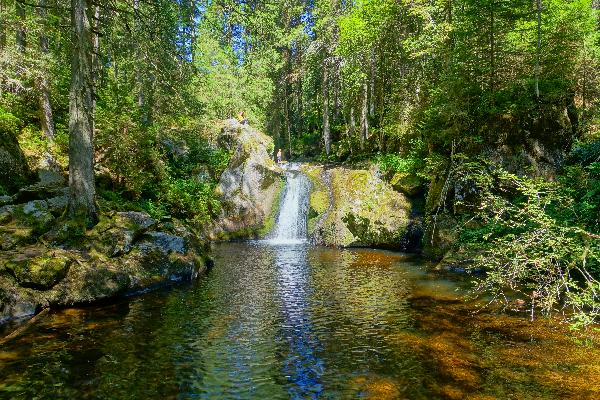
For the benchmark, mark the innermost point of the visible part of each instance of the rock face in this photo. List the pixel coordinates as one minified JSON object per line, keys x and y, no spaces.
{"x":13,"y":166}
{"x":125,"y":253}
{"x":250,"y":186}
{"x":357,"y":208}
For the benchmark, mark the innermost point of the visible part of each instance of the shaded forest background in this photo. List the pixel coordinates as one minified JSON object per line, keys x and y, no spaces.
{"x":487,"y":109}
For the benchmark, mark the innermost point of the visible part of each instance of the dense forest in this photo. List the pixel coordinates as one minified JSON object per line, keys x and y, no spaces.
{"x":488,"y":109}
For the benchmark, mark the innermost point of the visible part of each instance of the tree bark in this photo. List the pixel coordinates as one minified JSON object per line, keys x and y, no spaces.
{"x":364,"y":116}
{"x":539,"y":48}
{"x":492,"y":48}
{"x":326,"y":127}
{"x":82,"y":202}
{"x":2,"y":25}
{"x":46,"y":115}
{"x":373,"y":67}
{"x":21,"y":35}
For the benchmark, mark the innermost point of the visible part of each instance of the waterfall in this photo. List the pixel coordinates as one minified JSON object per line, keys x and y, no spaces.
{"x":291,"y":221}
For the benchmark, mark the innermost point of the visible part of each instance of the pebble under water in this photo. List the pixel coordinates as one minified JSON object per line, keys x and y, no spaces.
{"x":299,"y":322}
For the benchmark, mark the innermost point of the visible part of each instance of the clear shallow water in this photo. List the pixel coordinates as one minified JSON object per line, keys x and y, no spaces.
{"x":279,"y":322}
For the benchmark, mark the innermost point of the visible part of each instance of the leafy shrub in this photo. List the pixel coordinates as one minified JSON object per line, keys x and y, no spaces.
{"x":190,"y":199}
{"x":9,"y":123}
{"x":535,"y":244}
{"x":395,"y":163}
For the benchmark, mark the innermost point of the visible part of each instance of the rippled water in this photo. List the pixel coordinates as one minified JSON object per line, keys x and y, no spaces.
{"x":279,"y":322}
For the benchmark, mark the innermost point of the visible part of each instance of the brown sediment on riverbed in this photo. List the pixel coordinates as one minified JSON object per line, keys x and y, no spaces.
{"x":479,"y":354}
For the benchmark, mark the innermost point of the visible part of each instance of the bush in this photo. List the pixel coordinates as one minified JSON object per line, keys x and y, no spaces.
{"x":535,"y":244}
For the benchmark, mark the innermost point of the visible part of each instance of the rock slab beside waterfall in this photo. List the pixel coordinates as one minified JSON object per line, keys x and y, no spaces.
{"x":251,"y":185}
{"x":350,"y":208}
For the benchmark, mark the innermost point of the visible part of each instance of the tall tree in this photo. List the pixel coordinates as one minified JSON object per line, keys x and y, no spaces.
{"x":82,"y":200}
{"x":46,"y":117}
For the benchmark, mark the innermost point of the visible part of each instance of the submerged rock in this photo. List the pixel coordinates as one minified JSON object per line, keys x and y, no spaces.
{"x":250,"y":185}
{"x":356,"y":208}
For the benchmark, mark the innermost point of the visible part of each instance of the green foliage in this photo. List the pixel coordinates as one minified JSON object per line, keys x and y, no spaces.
{"x":532,"y":242}
{"x":188,"y":198}
{"x":395,"y":163}
{"x":9,"y":124}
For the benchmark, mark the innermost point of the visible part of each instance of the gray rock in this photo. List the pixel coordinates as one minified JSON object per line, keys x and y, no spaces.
{"x":250,"y":184}
{"x":38,"y":215}
{"x":13,"y":165}
{"x":115,"y":236}
{"x":41,"y":191}
{"x":57,"y":205}
{"x":42,"y":272}
{"x":49,"y":171}
{"x":140,"y":221}
{"x":162,"y":242}
{"x":351,"y":208}
{"x":6,"y":213}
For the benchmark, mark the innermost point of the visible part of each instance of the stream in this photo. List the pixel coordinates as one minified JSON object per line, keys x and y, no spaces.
{"x":281,"y":319}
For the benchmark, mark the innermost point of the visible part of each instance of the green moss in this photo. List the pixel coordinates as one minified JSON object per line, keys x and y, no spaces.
{"x":272,"y":218}
{"x":407,"y":183}
{"x":41,"y":272}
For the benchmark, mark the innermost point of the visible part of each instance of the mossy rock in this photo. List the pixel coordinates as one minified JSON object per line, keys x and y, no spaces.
{"x":271,"y":220}
{"x":441,"y":235}
{"x":13,"y":165}
{"x":356,"y":208}
{"x":42,"y":272}
{"x":23,"y":224}
{"x":114,"y":236}
{"x":407,"y":183}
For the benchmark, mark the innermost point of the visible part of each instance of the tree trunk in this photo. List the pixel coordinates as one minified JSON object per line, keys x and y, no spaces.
{"x":352,"y":122}
{"x":539,"y":48}
{"x":492,"y":49}
{"x":372,"y":85}
{"x":3,"y":18}
{"x":364,"y":116}
{"x":46,"y":117}
{"x":326,"y":127}
{"x":21,"y":35}
{"x":82,"y":203}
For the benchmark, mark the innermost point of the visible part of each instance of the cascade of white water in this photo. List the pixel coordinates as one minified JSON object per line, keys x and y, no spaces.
{"x":291,"y":221}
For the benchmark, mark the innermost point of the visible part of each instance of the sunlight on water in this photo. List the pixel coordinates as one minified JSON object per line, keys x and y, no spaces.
{"x":298,"y":322}
{"x":280,"y":319}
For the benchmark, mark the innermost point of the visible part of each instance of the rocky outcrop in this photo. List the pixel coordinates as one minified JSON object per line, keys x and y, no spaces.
{"x":249,"y":187}
{"x":42,"y":265}
{"x":13,"y":165}
{"x":532,"y":145}
{"x":358,"y":208}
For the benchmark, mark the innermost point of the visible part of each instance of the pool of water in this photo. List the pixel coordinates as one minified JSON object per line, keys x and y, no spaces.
{"x":281,"y":322}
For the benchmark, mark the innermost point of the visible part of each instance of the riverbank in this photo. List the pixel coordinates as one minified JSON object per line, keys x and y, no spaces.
{"x":43,"y":265}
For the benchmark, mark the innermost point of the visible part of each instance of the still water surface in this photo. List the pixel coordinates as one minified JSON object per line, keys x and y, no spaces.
{"x":281,"y":322}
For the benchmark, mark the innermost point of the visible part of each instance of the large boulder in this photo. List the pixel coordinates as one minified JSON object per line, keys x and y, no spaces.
{"x":251,"y":184}
{"x":125,"y":253}
{"x":358,"y":208}
{"x":23,"y":223}
{"x":13,"y":165}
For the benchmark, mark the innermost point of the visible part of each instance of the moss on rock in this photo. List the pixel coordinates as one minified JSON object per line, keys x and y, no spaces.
{"x":250,"y":185}
{"x":356,"y":208}
{"x":42,"y":272}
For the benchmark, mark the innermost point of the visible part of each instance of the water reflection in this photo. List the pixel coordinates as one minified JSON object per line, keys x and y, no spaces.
{"x":275,"y":322}
{"x":302,"y":366}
